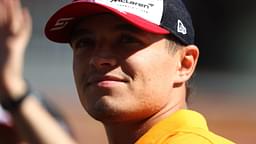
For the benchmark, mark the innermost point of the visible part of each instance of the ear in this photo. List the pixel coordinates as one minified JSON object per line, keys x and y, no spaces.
{"x":187,"y":63}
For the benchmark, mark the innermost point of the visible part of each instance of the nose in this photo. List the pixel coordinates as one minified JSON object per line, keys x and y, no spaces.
{"x":103,"y":62}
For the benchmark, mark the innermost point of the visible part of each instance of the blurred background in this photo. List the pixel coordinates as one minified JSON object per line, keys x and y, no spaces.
{"x":223,"y":86}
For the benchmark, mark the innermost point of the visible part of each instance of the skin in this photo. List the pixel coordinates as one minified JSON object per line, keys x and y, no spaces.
{"x":15,"y":30}
{"x":128,"y":78}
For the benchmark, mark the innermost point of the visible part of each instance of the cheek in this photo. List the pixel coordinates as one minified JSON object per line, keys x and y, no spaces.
{"x":155,"y":67}
{"x":76,"y":71}
{"x":80,"y":66}
{"x":79,"y":72}
{"x":79,"y":77}
{"x":153,"y":74}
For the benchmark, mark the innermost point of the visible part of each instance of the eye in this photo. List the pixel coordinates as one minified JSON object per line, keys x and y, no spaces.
{"x":83,"y":43}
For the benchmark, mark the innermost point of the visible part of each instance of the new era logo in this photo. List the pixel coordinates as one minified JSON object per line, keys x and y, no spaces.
{"x":181,"y":28}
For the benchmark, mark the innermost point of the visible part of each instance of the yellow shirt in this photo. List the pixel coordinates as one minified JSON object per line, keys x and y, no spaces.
{"x":182,"y":127}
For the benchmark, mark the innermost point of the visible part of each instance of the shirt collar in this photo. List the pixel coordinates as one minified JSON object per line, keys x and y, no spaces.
{"x":176,"y":121}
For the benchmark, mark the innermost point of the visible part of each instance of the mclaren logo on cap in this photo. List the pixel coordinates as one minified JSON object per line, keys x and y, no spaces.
{"x":134,"y":3}
{"x":61,"y":23}
{"x":181,"y":28}
{"x":150,"y":10}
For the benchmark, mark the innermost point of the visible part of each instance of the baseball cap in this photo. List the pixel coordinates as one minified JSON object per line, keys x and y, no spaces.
{"x":155,"y":16}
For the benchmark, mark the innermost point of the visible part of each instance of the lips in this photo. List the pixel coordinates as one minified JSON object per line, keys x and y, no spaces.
{"x":98,"y":78}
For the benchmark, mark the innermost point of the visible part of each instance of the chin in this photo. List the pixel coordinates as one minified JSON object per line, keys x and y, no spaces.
{"x":106,"y":112}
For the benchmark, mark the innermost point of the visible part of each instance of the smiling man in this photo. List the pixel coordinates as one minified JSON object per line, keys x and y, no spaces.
{"x":131,"y":62}
{"x":128,"y":78}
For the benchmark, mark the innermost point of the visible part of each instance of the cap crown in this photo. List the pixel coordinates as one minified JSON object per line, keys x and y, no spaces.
{"x":156,"y":16}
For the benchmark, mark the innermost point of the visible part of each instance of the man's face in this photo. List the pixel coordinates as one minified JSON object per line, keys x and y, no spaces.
{"x":122,"y":73}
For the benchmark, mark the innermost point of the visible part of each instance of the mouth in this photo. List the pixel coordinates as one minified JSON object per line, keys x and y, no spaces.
{"x":106,"y":79}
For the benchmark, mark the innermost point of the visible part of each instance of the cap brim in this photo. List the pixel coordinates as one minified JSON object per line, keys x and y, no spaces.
{"x":61,"y":24}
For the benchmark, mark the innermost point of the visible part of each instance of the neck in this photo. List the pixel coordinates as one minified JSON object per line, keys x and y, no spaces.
{"x":129,"y":133}
{"x":123,"y":133}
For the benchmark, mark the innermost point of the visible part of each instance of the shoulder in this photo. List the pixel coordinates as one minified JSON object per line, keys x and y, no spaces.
{"x":196,"y":137}
{"x":182,"y":127}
